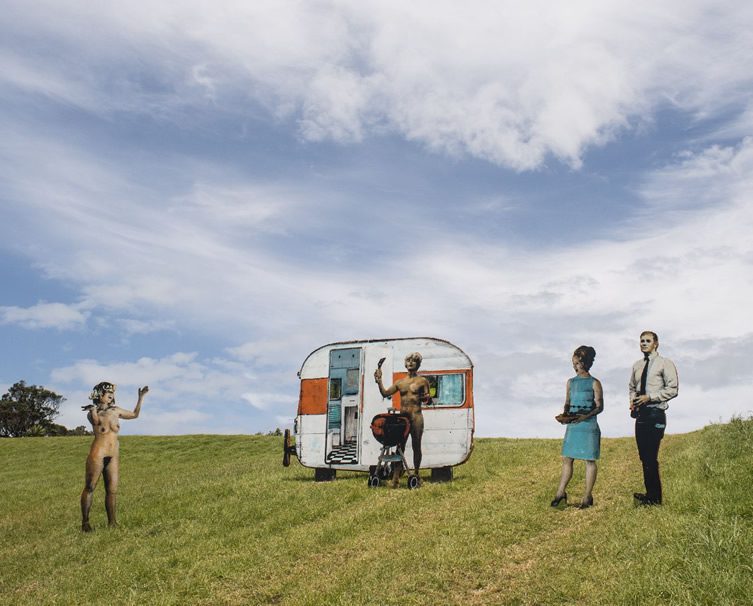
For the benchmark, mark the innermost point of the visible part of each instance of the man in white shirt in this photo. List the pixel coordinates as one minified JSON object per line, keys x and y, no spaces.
{"x":653,"y":382}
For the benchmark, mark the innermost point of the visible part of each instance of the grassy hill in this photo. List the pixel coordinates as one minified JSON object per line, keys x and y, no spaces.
{"x":217,"y":519}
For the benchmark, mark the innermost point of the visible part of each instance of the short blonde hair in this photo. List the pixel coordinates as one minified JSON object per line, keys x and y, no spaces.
{"x":415,"y":356}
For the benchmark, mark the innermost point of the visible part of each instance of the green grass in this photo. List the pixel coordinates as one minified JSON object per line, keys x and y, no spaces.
{"x":218,"y":520}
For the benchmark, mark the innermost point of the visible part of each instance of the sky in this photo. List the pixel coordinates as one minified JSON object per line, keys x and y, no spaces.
{"x":195,"y":195}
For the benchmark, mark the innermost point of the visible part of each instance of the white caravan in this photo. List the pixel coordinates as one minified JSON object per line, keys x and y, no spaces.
{"x":339,"y":398}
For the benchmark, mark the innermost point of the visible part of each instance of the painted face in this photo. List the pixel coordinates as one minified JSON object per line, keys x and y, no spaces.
{"x":577,"y":364}
{"x":107,"y":398}
{"x":648,"y":344}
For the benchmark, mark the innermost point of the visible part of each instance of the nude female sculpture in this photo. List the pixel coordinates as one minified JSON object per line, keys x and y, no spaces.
{"x":104,"y":458}
{"x":414,"y":390}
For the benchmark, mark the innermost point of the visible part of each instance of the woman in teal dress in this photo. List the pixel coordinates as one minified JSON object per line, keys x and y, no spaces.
{"x":583,"y":401}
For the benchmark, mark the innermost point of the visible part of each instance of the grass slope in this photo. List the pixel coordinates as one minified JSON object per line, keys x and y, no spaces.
{"x":217,"y":519}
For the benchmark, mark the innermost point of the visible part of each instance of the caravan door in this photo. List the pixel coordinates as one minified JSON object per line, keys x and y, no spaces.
{"x":342,"y":406}
{"x":372,"y":402}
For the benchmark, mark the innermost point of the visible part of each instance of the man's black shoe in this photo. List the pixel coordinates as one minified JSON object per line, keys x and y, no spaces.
{"x":643,"y":499}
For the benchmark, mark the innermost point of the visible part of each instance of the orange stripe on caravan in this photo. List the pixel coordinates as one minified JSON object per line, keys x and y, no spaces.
{"x":468,"y":385}
{"x":313,"y":398}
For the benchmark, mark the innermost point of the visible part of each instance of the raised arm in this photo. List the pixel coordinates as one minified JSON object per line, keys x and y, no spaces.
{"x":93,"y":416}
{"x":127,"y":414}
{"x":386,"y":393}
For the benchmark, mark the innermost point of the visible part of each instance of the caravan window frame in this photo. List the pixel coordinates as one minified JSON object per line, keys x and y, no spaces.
{"x":438,"y":375}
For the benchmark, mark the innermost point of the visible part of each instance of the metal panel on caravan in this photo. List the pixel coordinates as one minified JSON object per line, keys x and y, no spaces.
{"x":373,"y":403}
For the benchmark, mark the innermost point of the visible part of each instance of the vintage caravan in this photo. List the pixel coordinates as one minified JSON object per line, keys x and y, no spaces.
{"x":339,"y":398}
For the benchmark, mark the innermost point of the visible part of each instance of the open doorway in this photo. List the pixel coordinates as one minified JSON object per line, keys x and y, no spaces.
{"x":342,"y":406}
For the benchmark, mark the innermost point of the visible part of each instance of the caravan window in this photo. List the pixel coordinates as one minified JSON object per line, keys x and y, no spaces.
{"x":447,"y":390}
{"x":352,"y":376}
{"x":335,"y":389}
{"x":344,"y":368}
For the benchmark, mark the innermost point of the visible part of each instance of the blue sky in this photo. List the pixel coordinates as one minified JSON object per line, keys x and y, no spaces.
{"x":196,"y":195}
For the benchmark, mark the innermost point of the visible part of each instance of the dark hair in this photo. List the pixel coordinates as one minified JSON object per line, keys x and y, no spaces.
{"x":653,"y":334}
{"x":99,"y":389}
{"x":586,"y":355}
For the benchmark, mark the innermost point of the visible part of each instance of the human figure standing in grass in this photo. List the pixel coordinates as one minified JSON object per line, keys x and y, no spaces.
{"x":104,"y":458}
{"x":584,"y":399}
{"x":653,"y":383}
{"x":414,"y":391}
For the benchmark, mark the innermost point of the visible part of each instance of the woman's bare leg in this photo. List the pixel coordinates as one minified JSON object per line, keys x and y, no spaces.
{"x":93,"y":471}
{"x":567,"y":473}
{"x":111,"y":475}
{"x":416,"y":433}
{"x":590,"y":478}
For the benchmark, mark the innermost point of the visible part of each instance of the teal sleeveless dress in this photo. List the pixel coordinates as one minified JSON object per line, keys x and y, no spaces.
{"x":582,"y":440}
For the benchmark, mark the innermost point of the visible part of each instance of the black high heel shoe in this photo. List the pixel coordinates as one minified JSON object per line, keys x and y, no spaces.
{"x":557,"y":500}
{"x":586,"y":503}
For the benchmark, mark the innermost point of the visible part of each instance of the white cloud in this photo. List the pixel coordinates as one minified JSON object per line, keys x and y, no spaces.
{"x":132,"y":326}
{"x":20,"y":73}
{"x":156,"y":422}
{"x":45,"y":315}
{"x":678,"y":268}
{"x":509,"y":83}
{"x":187,"y":394}
{"x":252,"y":208}
{"x":263,"y":400}
{"x":262,"y":267}
{"x":158,"y":416}
{"x":334,"y":106}
{"x":684,"y":274}
{"x":182,"y":366}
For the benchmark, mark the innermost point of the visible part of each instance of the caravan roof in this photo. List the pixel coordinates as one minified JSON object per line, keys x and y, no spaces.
{"x":437,"y":354}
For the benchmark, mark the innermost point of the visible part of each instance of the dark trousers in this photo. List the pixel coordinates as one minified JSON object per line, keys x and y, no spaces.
{"x":649,"y":430}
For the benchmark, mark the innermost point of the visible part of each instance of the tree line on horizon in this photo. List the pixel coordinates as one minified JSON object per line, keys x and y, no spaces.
{"x":30,"y":410}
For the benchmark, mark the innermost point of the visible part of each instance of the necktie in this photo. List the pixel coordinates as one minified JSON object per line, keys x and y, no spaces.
{"x":644,"y":376}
